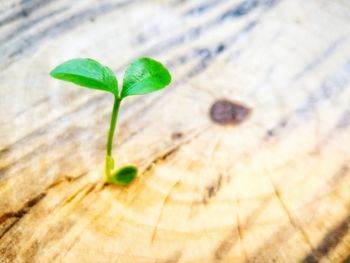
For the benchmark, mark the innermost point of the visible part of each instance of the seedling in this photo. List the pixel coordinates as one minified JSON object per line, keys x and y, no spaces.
{"x":143,"y":76}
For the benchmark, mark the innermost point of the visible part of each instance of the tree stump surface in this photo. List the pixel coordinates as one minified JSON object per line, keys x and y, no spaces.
{"x":271,"y":186}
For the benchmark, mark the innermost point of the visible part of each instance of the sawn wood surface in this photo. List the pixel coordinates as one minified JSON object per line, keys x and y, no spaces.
{"x":274,"y":188}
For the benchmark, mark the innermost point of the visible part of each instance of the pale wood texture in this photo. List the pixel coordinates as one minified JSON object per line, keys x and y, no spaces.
{"x":275,"y":188}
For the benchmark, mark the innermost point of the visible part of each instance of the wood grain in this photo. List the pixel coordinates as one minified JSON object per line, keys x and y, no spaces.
{"x":272,"y":188}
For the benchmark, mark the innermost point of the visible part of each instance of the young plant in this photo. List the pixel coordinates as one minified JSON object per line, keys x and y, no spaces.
{"x":143,"y":76}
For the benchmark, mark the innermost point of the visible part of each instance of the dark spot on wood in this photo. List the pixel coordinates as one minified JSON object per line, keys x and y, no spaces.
{"x":270,"y":133}
{"x":177,"y":135}
{"x":220,"y":48}
{"x":276,"y":129}
{"x":212,"y":189}
{"x":225,"y":112}
{"x":25,"y":13}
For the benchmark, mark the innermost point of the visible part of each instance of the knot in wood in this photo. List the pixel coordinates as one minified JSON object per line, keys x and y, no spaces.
{"x":226,"y":112}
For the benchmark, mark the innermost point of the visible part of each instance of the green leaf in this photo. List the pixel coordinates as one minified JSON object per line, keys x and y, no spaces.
{"x":124,"y":175}
{"x":143,"y":76}
{"x":88,"y":73}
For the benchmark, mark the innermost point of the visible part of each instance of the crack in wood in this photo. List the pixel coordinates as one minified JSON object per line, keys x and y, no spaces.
{"x":332,"y":86}
{"x":329,"y":241}
{"x":19,"y":214}
{"x":240,"y":231}
{"x":80,"y":194}
{"x":231,"y":239}
{"x":283,"y":233}
{"x":65,"y":179}
{"x":289,"y":215}
{"x":164,"y":156}
{"x":326,"y":54}
{"x":166,"y":200}
{"x":78,"y":235}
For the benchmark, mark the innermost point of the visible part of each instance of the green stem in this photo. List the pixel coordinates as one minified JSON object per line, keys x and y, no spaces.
{"x":114,"y":117}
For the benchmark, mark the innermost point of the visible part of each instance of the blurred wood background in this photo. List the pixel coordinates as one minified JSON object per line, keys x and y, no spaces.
{"x":275,"y":188}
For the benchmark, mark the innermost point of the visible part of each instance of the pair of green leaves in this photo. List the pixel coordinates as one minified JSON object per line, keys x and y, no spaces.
{"x":143,"y":76}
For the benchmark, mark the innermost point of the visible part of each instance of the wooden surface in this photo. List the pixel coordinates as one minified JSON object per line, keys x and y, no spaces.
{"x":275,"y":188}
